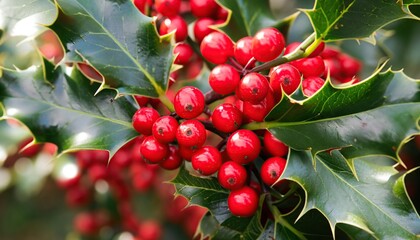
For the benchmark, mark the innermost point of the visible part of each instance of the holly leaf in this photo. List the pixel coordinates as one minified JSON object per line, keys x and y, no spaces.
{"x":248,"y":17}
{"x":220,"y":223}
{"x":367,"y":195}
{"x":26,"y":18}
{"x":117,"y":40}
{"x":382,"y":88}
{"x":336,"y":20}
{"x":63,"y":110}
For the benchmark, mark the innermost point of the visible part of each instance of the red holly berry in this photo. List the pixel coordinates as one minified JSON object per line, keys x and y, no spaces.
{"x":85,"y":223}
{"x":224,"y":79}
{"x":143,"y":120}
{"x":267,"y":44}
{"x":226,"y":118}
{"x":207,"y":160}
{"x":243,"y":202}
{"x":232,"y":175}
{"x":271,"y":170}
{"x":173,"y":161}
{"x":184,"y":53}
{"x":164,"y":129}
{"x":253,"y":88}
{"x":243,"y":50}
{"x":150,"y":230}
{"x":153,"y":151}
{"x":189,"y":102}
{"x":310,"y":67}
{"x":168,"y":8}
{"x":203,"y":8}
{"x":142,"y":4}
{"x":311,"y":85}
{"x":273,"y":146}
{"x":332,"y":66}
{"x":191,"y":133}
{"x":257,"y":112}
{"x":201,"y":28}
{"x":330,"y":52}
{"x":284,"y":77}
{"x":143,"y":178}
{"x":187,"y":152}
{"x":349,"y":66}
{"x":175,"y":23}
{"x":216,"y":47}
{"x":243,"y":146}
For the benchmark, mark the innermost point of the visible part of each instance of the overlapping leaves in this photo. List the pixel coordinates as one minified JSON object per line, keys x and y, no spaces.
{"x":336,"y":20}
{"x":63,"y":110}
{"x":120,"y":42}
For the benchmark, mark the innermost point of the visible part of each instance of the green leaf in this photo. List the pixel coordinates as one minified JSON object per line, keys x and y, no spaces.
{"x":275,"y":230}
{"x":64,"y":110}
{"x":120,"y":42}
{"x":365,"y":198}
{"x":208,"y":193}
{"x":247,"y":17}
{"x":26,"y":17}
{"x":347,"y":19}
{"x":384,"y":88}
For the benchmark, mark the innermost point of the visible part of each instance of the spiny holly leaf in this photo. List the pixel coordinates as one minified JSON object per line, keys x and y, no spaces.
{"x":378,"y":131}
{"x":347,"y":19}
{"x":27,"y":16}
{"x":120,"y":42}
{"x":247,"y":17}
{"x":367,"y":198}
{"x":381,"y":88}
{"x":64,"y":110}
{"x":208,"y":193}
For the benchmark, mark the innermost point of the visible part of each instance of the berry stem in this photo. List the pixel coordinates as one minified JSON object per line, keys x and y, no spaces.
{"x":292,"y":190}
{"x":212,"y":96}
{"x":299,"y":52}
{"x":209,"y":126}
{"x":267,"y":125}
{"x":279,"y":219}
{"x":165,"y":101}
{"x":235,"y":64}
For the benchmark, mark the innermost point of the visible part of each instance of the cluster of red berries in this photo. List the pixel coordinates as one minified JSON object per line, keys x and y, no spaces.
{"x":125,"y":173}
{"x":248,"y":95}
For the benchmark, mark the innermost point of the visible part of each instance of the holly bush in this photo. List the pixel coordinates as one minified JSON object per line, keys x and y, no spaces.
{"x":280,"y":120}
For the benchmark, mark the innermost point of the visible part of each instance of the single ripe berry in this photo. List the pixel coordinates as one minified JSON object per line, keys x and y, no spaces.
{"x":203,"y":8}
{"x":243,"y":146}
{"x":267,"y":44}
{"x":226,"y":118}
{"x":175,"y":23}
{"x":311,"y":85}
{"x":216,"y":47}
{"x":243,"y":202}
{"x":207,"y":160}
{"x":271,"y":170}
{"x":164,"y":129}
{"x":310,"y":67}
{"x":332,"y":65}
{"x":183,"y":52}
{"x":253,"y":88}
{"x":153,"y":151}
{"x":191,"y":133}
{"x":201,"y":28}
{"x":189,"y":102}
{"x":257,"y":112}
{"x":143,"y":120}
{"x":168,"y":8}
{"x":232,"y":175}
{"x":349,"y":66}
{"x":86,"y":223}
{"x":173,"y":161}
{"x":273,"y":146}
{"x":142,"y":4}
{"x":243,"y":50}
{"x":224,"y":79}
{"x":187,"y":152}
{"x":284,"y":77}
